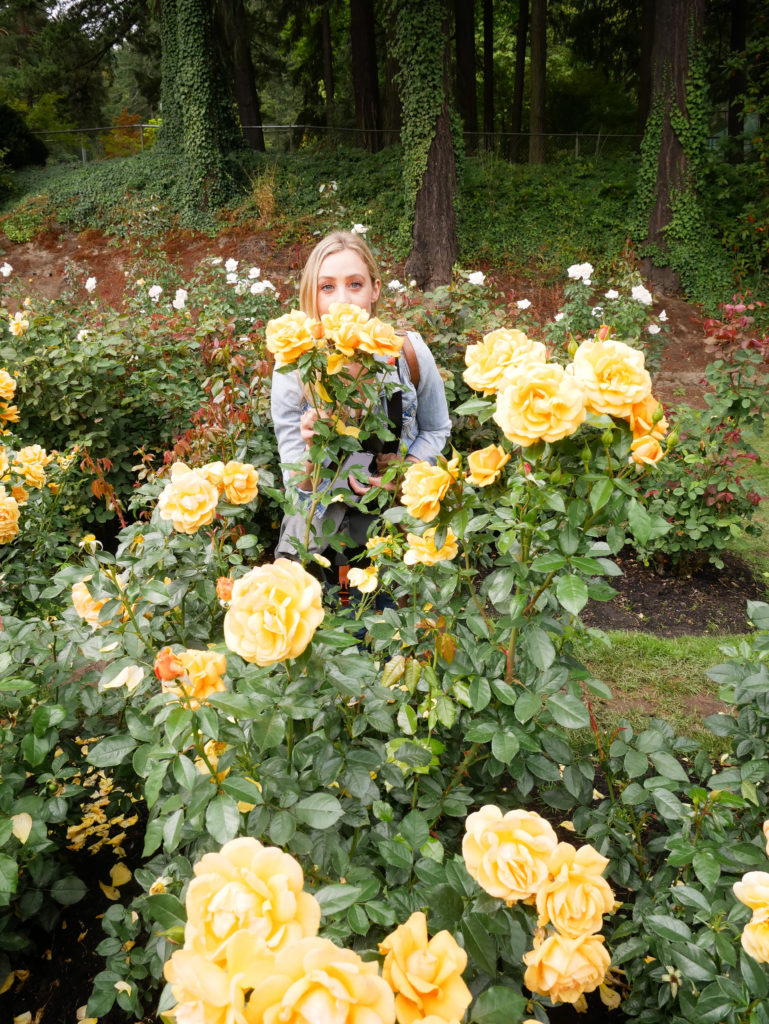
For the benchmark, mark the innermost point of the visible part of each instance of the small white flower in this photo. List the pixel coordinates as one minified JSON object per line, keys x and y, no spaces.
{"x":394,"y":285}
{"x":653,"y":329}
{"x":476,"y":277}
{"x":180,"y":299}
{"x":253,"y":273}
{"x":232,"y":278}
{"x":580,"y":271}
{"x":82,"y":335}
{"x":90,"y":284}
{"x":597,"y":310}
{"x":612,"y":294}
{"x":558,"y":317}
{"x":413,"y":282}
{"x":130,"y":677}
{"x":359,"y":229}
{"x":6,"y":269}
{"x":662,"y":315}
{"x":215,"y":261}
{"x":241,"y":287}
{"x":523,"y":304}
{"x":231,"y":266}
{"x":260,"y":287}
{"x":333,"y":186}
{"x":321,"y":189}
{"x":155,"y":292}
{"x":641,"y":294}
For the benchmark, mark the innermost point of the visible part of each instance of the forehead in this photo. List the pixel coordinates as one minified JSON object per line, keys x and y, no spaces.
{"x":345,"y":263}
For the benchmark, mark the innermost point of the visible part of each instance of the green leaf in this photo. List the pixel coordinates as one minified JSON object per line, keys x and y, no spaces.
{"x":527,"y":705}
{"x":754,"y":976}
{"x":540,"y":647}
{"x":600,"y":493}
{"x":571,"y":591}
{"x":668,"y":805}
{"x":629,"y":950}
{"x":568,"y":711}
{"x":498,"y":1005}
{"x":668,"y":766}
{"x":321,"y":810}
{"x":667,"y":927}
{"x":480,"y":693}
{"x":414,"y":829}
{"x":758,"y":613}
{"x":479,"y":943}
{"x":68,"y":890}
{"x":168,"y":910}
{"x":337,"y":897}
{"x":706,"y":868}
{"x":9,"y":878}
{"x":222,"y":818}
{"x":111,"y":751}
{"x":504,"y":746}
{"x":282,"y":828}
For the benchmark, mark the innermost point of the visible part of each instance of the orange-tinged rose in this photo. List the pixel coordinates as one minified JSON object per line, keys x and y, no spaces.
{"x":500,"y":351}
{"x":576,"y":896}
{"x":565,"y":968}
{"x":86,"y":606}
{"x":189,"y":502}
{"x":9,"y":413}
{"x":204,"y":671}
{"x":224,"y":588}
{"x":7,"y":386}
{"x":290,"y":336}
{"x":20,"y":493}
{"x":425,"y":486}
{"x":508,"y":854}
{"x":380,"y":339}
{"x":30,"y":462}
{"x":315,"y":982}
{"x":539,"y":402}
{"x":167,"y":665}
{"x":486,"y":465}
{"x":641,"y":419}
{"x":755,"y":938}
{"x":753,"y":890}
{"x":9,"y":517}
{"x":274,"y":612}
{"x":211,"y":471}
{"x":614,"y":376}
{"x":247,"y":887}
{"x":345,"y":325}
{"x":240,"y":482}
{"x":425,"y":975}
{"x":204,"y":992}
{"x":423,"y":550}
{"x":646,"y":451}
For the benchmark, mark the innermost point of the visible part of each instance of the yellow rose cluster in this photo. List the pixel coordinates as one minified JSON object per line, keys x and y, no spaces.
{"x":191,"y":675}
{"x":252,"y":954}
{"x":516,"y":857}
{"x":753,"y":891}
{"x":190,"y":498}
{"x":26,"y":468}
{"x":344,"y":332}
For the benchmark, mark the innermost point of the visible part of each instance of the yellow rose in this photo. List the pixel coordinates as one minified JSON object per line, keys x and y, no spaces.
{"x":3,"y":460}
{"x":7,"y":386}
{"x":212,"y":471}
{"x":274,"y":612}
{"x":247,"y":887}
{"x":21,"y":494}
{"x":425,"y":486}
{"x":240,"y":482}
{"x":312,"y":981}
{"x":646,"y":451}
{"x":203,"y":991}
{"x":30,"y":462}
{"x":426,"y":976}
{"x":9,"y":517}
{"x":345,"y":325}
{"x":508,"y":854}
{"x":614,"y":376}
{"x":379,"y":545}
{"x":565,"y":968}
{"x":291,"y":335}
{"x":380,"y":339}
{"x":212,"y":749}
{"x":189,"y":501}
{"x":766,"y":836}
{"x":755,"y":938}
{"x":576,"y":896}
{"x":500,"y":351}
{"x":204,"y":671}
{"x":486,"y":465}
{"x":86,"y":606}
{"x":18,"y":324}
{"x":422,"y":549}
{"x":9,"y":413}
{"x":364,"y":580}
{"x":753,"y":890}
{"x":539,"y":402}
{"x":641,"y":419}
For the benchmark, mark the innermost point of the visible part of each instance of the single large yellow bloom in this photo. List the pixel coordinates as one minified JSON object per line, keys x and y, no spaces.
{"x":566,"y":968}
{"x":540,"y":402}
{"x":425,"y":486}
{"x":274,"y":612}
{"x":423,"y":550}
{"x":576,"y":896}
{"x":753,"y":890}
{"x":426,"y":976}
{"x":248,"y":887}
{"x":291,"y":335}
{"x":646,"y":451}
{"x":188,"y":501}
{"x":9,"y":517}
{"x":380,"y":339}
{"x":30,"y":462}
{"x":755,"y":938}
{"x":241,"y":482}
{"x":204,"y":676}
{"x":204,"y":992}
{"x":346,"y":326}
{"x":508,"y":854}
{"x":486,"y":465}
{"x":500,"y":351}
{"x":364,"y":580}
{"x":87,"y":607}
{"x":7,"y":386}
{"x":614,"y":376}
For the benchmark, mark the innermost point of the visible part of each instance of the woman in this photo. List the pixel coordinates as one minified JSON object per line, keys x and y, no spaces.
{"x":341,"y":268}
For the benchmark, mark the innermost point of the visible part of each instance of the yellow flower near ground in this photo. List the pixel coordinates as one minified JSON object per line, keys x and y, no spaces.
{"x":508,"y":854}
{"x":241,"y":482}
{"x":753,"y":890}
{"x":646,"y":451}
{"x":87,"y":607}
{"x":425,"y":975}
{"x":291,"y":335}
{"x":565,"y":968}
{"x":345,"y":325}
{"x":7,"y":386}
{"x":576,"y":896}
{"x":641,"y":419}
{"x":425,"y":486}
{"x":30,"y":462}
{"x":364,"y":580}
{"x":539,"y":402}
{"x":246,"y":886}
{"x":486,"y":465}
{"x":500,"y":351}
{"x":313,"y":981}
{"x":422,"y":549}
{"x":188,"y":501}
{"x":204,"y":671}
{"x":614,"y":376}
{"x":274,"y":612}
{"x":755,"y":938}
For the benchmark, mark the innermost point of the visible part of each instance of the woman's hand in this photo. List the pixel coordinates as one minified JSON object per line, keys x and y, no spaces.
{"x":307,"y":425}
{"x":383,"y":461}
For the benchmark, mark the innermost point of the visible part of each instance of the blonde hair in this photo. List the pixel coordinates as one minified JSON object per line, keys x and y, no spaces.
{"x":335,"y":242}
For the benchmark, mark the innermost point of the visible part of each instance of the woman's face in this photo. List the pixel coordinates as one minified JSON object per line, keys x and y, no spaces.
{"x":344,"y":277}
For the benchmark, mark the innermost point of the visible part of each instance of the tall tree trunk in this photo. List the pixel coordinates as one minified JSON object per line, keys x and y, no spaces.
{"x":522,"y":30}
{"x":737,"y":82}
{"x":237,"y":36}
{"x":645,"y":62}
{"x":328,"y":63}
{"x":537,"y":141}
{"x":171,"y":133}
{"x":465,"y":86}
{"x":488,"y":73}
{"x":365,"y":77}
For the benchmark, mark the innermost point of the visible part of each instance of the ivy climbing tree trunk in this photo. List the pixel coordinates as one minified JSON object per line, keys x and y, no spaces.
{"x":429,"y":167}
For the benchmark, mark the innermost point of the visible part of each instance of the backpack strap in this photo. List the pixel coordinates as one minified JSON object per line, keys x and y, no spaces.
{"x":413,"y":362}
